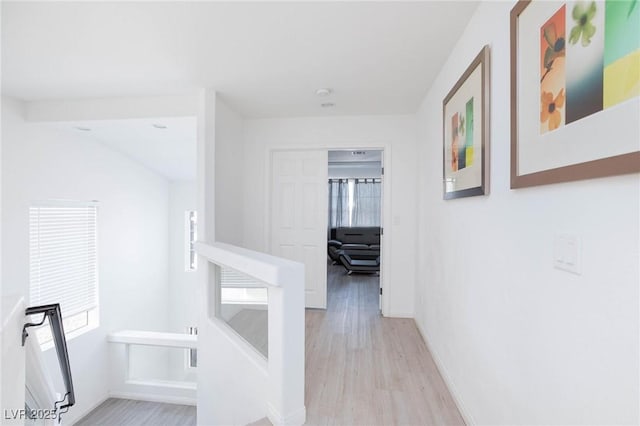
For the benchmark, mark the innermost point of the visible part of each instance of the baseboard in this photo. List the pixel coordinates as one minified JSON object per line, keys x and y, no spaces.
{"x":464,"y":412}
{"x":394,"y":314}
{"x":87,"y":411}
{"x":164,"y":384}
{"x":138,"y":396}
{"x":295,"y":418}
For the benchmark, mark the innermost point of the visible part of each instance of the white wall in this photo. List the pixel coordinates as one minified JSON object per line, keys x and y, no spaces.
{"x":1,"y":294}
{"x":396,"y":134}
{"x":229,"y":176}
{"x":41,"y":163}
{"x":238,"y":394}
{"x":13,"y":360}
{"x":519,"y":341}
{"x":182,"y":283}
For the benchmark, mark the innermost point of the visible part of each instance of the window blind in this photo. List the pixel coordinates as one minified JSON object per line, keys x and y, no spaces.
{"x":63,"y":256}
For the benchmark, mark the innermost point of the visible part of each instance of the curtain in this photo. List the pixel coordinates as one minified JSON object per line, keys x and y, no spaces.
{"x":366,"y":202}
{"x":338,"y":203}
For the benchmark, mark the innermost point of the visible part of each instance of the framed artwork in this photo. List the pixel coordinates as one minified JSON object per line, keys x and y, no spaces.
{"x":575,"y":90}
{"x":465,"y":129}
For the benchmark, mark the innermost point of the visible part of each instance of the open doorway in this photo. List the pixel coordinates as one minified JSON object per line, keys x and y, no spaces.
{"x":354,"y":228}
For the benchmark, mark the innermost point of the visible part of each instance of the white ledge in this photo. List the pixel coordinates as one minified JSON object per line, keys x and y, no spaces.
{"x":271,"y":270}
{"x":154,"y":338}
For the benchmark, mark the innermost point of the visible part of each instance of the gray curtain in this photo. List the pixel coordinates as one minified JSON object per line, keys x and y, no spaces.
{"x":338,"y":203}
{"x":366,"y":202}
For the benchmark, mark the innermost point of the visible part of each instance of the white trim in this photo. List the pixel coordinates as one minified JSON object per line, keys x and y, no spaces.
{"x":141,"y":396}
{"x":164,"y":384}
{"x":154,"y":338}
{"x":464,"y":412}
{"x":394,"y":314}
{"x":294,"y":418}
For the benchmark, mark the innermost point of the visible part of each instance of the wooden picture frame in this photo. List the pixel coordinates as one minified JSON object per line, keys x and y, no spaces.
{"x":551,"y":52}
{"x":465,"y":131}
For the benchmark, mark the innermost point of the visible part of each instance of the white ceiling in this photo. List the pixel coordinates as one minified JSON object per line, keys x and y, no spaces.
{"x":265,"y":59}
{"x":170,"y":152}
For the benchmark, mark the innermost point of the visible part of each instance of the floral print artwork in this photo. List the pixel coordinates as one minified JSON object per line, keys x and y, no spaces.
{"x":589,"y":60}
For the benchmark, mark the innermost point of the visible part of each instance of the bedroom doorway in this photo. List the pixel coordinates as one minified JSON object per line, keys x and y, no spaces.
{"x":354,"y":231}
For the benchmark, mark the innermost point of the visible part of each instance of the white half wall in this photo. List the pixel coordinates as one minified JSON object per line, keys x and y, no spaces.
{"x":394,"y":134}
{"x":40,"y":163}
{"x":518,"y":341}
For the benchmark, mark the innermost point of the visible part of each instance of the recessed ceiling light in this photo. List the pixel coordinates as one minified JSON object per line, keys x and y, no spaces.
{"x":325,"y":91}
{"x":83,"y":129}
{"x":327,"y":105}
{"x":159,"y":126}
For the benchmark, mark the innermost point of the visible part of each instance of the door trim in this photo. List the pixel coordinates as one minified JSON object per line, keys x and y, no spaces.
{"x":385,"y":214}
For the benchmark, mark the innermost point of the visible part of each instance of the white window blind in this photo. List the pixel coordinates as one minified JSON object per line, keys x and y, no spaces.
{"x":63,"y":256}
{"x":191,"y":232}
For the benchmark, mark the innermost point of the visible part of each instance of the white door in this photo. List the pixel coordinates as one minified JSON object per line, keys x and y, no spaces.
{"x":299,"y":216}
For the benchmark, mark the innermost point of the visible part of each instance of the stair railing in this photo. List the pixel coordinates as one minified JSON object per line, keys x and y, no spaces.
{"x":53,"y":314}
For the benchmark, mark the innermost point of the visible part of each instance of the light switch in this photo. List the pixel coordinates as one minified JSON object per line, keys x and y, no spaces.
{"x":567,"y":253}
{"x":571,"y":257}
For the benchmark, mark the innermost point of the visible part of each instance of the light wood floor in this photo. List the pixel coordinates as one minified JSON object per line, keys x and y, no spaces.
{"x":363,"y":369}
{"x":126,"y":412}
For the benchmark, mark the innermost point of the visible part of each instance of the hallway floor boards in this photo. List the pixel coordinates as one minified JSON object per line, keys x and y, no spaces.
{"x":127,"y":412}
{"x":363,"y":369}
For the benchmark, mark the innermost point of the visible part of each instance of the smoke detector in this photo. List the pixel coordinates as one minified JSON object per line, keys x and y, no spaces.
{"x":325,"y":91}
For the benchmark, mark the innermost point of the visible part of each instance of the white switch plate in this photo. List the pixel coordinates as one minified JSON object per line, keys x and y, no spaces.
{"x":567,"y":253}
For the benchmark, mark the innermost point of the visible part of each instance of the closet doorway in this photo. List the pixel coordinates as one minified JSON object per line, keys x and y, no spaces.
{"x":354,"y":231}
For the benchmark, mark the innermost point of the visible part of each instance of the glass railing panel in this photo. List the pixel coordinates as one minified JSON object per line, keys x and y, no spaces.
{"x":244,"y":306}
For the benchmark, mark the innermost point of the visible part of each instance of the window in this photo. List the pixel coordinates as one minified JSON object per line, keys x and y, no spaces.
{"x":366,"y":202}
{"x":354,"y":202}
{"x":63,"y":259}
{"x":191,"y":232}
{"x":192,"y":354}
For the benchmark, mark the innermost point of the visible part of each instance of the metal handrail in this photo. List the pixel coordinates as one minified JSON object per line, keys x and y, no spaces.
{"x":53,"y":313}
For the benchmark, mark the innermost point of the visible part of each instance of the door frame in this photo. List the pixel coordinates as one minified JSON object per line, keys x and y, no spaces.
{"x":386,"y":209}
